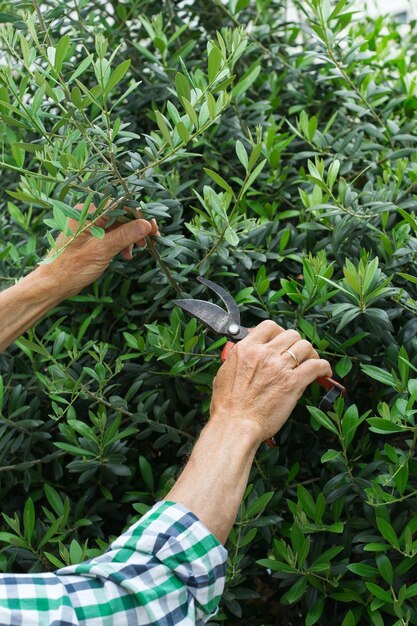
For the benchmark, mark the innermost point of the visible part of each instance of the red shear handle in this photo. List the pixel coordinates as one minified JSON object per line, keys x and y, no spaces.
{"x":226,"y":350}
{"x":330,"y":383}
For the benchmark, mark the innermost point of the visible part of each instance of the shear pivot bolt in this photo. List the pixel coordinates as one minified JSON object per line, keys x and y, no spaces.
{"x":233,"y":329}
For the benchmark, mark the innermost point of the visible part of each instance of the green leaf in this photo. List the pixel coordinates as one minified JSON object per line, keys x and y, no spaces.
{"x":22,"y":342}
{"x":182,"y":87}
{"x":211,"y":105}
{"x":242,"y":154}
{"x":349,"y":619}
{"x":330,"y":455}
{"x":379,"y":374}
{"x":55,"y":562}
{"x":61,"y":52}
{"x":66,"y":209}
{"x":259,"y":505}
{"x":28,"y":53}
{"x":328,"y":555}
{"x":387,"y":532}
{"x":362,"y":569}
{"x":183,"y":132}
{"x":231,"y":236}
{"x":411,"y":591}
{"x":306,"y":501}
{"x":219,"y":180}
{"x":382,"y":426}
{"x":73,"y":449}
{"x":54,"y":499}
{"x":249,"y":537}
{"x":76,"y":98}
{"x":276,"y":566}
{"x":409,"y":277}
{"x":13,"y":540}
{"x":246,"y":81}
{"x":97,"y":232}
{"x":314,"y":614}
{"x":376,"y":547}
{"x":163,"y":127}
{"x":385,"y":568}
{"x":401,"y":478}
{"x":82,"y":428}
{"x":54,"y":529}
{"x":322,"y":419}
{"x":296,"y":592}
{"x":146,"y":473}
{"x":85,"y":63}
{"x":258,"y":169}
{"x":214,"y":63}
{"x":18,"y":154}
{"x":28,"y":519}
{"x":332,"y":173}
{"x":379,"y":593}
{"x":76,"y":552}
{"x":343,"y":366}
{"x":190,"y":111}
{"x":117,"y":75}
{"x":410,"y":219}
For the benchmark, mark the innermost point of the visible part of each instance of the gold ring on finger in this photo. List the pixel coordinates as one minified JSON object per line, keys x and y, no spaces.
{"x":291,"y":353}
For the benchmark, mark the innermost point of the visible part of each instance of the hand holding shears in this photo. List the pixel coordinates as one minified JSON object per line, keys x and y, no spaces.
{"x":227,"y":323}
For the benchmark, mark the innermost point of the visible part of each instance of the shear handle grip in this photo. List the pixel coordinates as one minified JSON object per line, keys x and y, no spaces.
{"x":330,"y":383}
{"x":226,"y":350}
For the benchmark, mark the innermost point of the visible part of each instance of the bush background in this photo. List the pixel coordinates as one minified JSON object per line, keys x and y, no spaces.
{"x":297,"y":194}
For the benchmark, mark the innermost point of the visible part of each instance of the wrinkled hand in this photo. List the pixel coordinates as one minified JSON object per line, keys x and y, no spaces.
{"x":86,"y":257}
{"x":260,"y":383}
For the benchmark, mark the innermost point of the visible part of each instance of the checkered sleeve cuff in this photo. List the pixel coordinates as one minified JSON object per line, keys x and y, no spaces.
{"x":169,"y":561}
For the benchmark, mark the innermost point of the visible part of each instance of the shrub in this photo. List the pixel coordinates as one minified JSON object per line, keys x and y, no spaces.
{"x":279,"y":159}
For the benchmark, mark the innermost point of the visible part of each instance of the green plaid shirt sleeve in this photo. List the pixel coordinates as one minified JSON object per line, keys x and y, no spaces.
{"x":167,"y":569}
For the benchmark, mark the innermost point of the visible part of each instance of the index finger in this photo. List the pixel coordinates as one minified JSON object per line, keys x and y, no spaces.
{"x":265,"y":331}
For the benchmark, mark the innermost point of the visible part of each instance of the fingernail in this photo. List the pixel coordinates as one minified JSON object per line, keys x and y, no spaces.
{"x":154,"y":226}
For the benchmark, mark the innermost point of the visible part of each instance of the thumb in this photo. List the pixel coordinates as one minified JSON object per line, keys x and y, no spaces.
{"x":126,"y":235}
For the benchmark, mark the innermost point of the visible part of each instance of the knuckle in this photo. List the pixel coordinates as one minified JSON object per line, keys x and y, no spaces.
{"x":268,"y":324}
{"x":99,"y":245}
{"x":101,"y":249}
{"x":293,"y":334}
{"x":287,"y":381}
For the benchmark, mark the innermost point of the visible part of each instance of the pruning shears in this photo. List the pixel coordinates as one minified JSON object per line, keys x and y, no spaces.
{"x":227,"y":323}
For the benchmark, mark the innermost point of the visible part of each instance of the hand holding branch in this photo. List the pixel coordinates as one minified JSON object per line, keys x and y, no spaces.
{"x":82,"y":261}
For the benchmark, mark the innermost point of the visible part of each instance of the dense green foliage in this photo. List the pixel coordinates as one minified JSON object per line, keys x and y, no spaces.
{"x":279,"y":159}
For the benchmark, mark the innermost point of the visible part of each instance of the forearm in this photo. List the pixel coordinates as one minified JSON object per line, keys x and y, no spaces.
{"x":26,"y":302}
{"x":214,"y":480}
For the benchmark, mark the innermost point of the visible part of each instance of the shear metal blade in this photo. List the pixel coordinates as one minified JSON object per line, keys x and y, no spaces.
{"x":232,"y":307}
{"x":209,"y":314}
